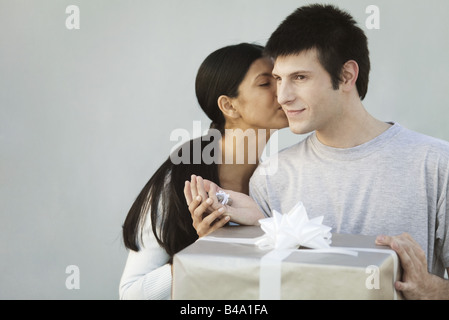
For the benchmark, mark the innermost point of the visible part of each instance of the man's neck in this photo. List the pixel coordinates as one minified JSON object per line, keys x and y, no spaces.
{"x":354,"y":128}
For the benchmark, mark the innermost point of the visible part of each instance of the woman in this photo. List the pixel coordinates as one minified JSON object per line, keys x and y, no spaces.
{"x":235,"y":89}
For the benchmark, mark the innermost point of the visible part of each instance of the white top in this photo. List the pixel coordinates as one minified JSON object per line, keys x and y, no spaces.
{"x":147,"y":274}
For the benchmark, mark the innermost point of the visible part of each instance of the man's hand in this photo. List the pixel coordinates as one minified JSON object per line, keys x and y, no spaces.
{"x":417,"y":282}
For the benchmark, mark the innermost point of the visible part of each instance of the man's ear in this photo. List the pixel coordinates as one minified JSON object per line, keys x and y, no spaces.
{"x":226,"y":106}
{"x":349,"y":75}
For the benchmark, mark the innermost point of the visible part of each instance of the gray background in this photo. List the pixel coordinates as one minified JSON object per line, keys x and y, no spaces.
{"x":86,"y":115}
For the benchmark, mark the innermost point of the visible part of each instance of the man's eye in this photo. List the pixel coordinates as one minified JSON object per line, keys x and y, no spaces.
{"x":264,"y":84}
{"x":300,"y":77}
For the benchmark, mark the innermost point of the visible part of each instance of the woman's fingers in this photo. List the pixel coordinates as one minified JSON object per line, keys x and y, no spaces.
{"x":195,"y":205}
{"x":212,"y":222}
{"x":196,"y":192}
{"x":200,"y":187}
{"x":199,"y":211}
{"x":211,"y":218}
{"x":203,"y":222}
{"x":188,"y":193}
{"x":193,"y":186}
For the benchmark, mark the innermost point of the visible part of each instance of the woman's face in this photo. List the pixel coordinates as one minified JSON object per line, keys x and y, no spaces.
{"x":257,"y":100}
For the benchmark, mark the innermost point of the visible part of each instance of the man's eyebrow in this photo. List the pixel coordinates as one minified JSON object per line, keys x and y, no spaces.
{"x":294,"y":73}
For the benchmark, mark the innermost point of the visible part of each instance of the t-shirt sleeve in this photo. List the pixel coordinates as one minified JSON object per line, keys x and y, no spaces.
{"x":258,"y":190}
{"x":442,"y":230}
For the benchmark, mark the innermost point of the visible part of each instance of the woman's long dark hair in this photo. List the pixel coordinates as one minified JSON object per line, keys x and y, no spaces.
{"x":163,"y":196}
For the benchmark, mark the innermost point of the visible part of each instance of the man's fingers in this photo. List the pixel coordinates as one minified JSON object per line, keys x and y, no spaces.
{"x":412,"y":257}
{"x":207,"y":184}
{"x":404,"y":286}
{"x":383,"y":240}
{"x":213,"y":195}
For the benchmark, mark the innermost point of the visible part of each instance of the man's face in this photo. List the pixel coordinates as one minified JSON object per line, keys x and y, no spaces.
{"x":305,"y":92}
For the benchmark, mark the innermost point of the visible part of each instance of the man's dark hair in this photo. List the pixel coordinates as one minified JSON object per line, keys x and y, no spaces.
{"x":332,"y":32}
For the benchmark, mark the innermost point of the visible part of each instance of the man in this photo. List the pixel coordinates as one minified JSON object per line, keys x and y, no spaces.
{"x":363,"y":175}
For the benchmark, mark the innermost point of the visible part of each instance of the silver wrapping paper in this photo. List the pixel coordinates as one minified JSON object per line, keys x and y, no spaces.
{"x":215,"y":270}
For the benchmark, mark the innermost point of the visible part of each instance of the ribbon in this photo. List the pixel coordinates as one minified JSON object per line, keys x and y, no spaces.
{"x":294,"y":229}
{"x":270,"y":274}
{"x":223,"y":197}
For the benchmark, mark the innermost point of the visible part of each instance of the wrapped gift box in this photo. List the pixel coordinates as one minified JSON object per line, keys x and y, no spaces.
{"x":223,"y":266}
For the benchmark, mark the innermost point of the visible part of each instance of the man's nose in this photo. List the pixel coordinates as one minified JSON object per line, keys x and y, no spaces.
{"x":285,"y":93}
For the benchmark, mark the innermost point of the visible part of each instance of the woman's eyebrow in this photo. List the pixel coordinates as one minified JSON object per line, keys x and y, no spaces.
{"x":265,"y":74}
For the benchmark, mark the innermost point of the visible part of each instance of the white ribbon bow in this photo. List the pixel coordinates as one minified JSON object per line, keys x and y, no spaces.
{"x":223,"y":197}
{"x":294,"y":229}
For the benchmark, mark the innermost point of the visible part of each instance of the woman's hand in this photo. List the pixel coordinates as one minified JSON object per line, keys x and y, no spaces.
{"x":207,"y":212}
{"x":242,"y":210}
{"x":197,"y":187}
{"x":204,"y":222}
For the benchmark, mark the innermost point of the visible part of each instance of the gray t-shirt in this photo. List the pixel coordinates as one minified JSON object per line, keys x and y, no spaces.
{"x":395,"y":183}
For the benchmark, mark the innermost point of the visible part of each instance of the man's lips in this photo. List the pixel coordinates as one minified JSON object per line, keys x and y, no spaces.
{"x":294,"y":112}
